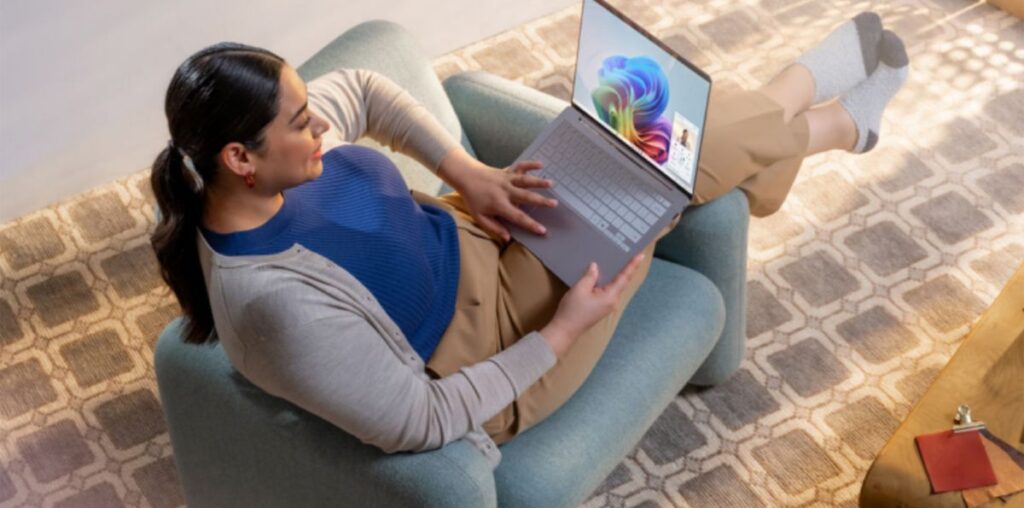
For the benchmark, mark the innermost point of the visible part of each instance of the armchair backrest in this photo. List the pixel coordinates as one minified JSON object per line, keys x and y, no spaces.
{"x":405,"y":64}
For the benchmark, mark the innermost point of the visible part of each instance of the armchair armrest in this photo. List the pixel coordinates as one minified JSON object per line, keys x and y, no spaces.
{"x":712,"y":239}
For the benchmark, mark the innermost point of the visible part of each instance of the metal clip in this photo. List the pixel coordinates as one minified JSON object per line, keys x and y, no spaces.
{"x":963,"y":420}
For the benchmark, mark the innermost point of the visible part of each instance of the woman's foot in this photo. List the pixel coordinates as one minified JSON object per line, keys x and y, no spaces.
{"x":866,"y":101}
{"x":845,"y":58}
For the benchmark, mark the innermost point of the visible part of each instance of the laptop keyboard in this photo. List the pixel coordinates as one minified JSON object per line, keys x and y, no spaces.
{"x":617,"y":202}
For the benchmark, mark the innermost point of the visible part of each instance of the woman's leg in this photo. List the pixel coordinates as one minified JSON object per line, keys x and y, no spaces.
{"x":757,"y":140}
{"x":527,"y":299}
{"x":749,"y":144}
{"x":506,"y":289}
{"x":472,"y":334}
{"x":521,"y":295}
{"x":793,"y":89}
{"x":830,"y":126}
{"x":504,"y":293}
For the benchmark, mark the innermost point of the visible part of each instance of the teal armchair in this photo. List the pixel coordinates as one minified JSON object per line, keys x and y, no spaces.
{"x":235,"y":445}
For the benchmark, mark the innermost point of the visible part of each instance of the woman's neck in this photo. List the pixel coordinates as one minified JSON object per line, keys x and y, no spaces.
{"x":229,"y":213}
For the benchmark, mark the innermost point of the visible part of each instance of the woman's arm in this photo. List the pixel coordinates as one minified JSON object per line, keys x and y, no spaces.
{"x":360,"y":102}
{"x":342,"y":369}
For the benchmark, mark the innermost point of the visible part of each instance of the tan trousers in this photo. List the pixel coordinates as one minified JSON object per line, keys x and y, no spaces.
{"x":505,"y":292}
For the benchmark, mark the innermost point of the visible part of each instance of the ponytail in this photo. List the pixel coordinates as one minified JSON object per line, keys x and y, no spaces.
{"x":224,"y":93}
{"x":174,"y":241}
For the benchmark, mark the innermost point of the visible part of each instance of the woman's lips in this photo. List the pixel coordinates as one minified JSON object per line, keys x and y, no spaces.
{"x":316,"y":154}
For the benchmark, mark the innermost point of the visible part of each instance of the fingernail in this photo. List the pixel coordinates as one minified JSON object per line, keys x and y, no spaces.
{"x":553,"y":202}
{"x":542,"y":230}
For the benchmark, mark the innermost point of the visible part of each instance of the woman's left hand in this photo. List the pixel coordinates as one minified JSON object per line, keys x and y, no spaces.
{"x":491,"y":193}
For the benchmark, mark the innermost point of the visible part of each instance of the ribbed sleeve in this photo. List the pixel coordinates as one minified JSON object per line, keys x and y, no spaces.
{"x":525,"y":361}
{"x":360,"y":102}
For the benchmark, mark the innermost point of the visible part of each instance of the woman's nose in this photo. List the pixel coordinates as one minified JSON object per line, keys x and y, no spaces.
{"x":324,"y":126}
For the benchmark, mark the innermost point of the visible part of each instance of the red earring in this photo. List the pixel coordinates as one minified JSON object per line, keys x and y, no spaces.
{"x":250,"y":181}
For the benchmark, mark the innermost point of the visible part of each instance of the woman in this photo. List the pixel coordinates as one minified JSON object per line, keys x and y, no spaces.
{"x":411,"y":321}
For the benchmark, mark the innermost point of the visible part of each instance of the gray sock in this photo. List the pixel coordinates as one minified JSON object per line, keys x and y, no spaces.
{"x":866,"y":101}
{"x":836,"y":63}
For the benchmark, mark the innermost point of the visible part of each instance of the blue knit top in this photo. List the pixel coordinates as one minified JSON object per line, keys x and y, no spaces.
{"x":359,"y":214}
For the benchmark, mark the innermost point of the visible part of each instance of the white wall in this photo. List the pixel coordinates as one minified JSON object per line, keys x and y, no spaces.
{"x":82,"y":83}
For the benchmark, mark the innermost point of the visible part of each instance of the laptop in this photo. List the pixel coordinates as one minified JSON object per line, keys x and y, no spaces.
{"x":623,"y":155}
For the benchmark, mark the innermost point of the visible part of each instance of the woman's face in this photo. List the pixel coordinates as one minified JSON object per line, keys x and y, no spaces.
{"x":293,"y":140}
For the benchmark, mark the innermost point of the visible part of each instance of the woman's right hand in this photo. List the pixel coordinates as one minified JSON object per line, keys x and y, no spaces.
{"x":584,"y":305}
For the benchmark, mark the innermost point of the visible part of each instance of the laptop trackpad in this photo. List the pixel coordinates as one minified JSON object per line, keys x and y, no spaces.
{"x":578,"y":244}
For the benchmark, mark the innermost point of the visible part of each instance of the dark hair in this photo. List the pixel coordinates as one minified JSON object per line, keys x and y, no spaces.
{"x":224,"y":93}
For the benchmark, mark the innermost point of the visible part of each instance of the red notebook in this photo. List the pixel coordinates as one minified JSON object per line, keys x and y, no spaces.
{"x":955,"y":461}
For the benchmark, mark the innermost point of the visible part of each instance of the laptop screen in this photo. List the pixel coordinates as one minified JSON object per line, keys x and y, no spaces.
{"x":640,"y":91}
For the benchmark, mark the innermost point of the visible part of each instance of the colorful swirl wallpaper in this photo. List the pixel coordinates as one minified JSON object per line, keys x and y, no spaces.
{"x":647,"y":97}
{"x":631,"y":97}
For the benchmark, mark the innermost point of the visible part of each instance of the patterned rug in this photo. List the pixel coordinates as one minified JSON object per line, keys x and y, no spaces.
{"x":860,"y":288}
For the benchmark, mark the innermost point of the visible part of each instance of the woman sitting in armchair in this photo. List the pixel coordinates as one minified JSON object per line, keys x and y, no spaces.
{"x":411,"y":321}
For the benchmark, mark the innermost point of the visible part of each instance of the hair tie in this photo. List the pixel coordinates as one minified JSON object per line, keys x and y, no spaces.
{"x":197,"y":179}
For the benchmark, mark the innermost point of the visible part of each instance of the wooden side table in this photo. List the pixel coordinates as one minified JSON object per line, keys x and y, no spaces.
{"x":987,"y":374}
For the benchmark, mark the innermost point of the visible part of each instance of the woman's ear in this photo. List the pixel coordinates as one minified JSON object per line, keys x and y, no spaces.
{"x":237,"y":158}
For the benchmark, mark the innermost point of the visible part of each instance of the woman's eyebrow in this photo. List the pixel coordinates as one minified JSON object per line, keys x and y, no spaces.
{"x":304,"y":106}
{"x":299,"y":112}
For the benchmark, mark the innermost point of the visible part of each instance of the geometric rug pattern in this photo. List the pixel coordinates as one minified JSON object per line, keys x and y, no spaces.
{"x":860,"y":288}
